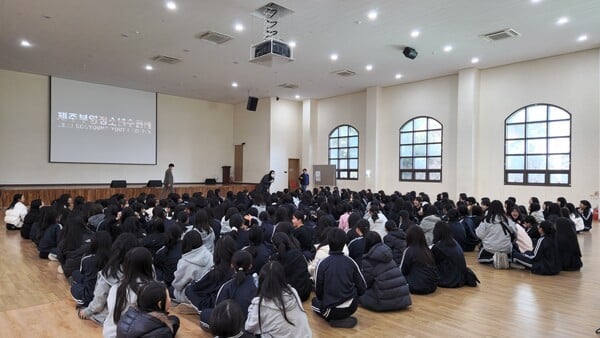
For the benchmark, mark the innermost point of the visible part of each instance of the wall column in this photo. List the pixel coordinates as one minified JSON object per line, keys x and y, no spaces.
{"x":371,"y":140}
{"x":466,"y":131}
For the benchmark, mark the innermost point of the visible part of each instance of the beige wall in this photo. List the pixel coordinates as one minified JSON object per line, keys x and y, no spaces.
{"x":286,"y":138}
{"x":253,"y":128}
{"x":190,"y":134}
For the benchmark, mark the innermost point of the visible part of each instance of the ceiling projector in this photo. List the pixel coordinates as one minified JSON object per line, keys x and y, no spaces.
{"x":271,"y":51}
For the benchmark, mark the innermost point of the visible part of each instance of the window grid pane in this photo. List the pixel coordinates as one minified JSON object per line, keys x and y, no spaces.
{"x":343,"y":151}
{"x":537,"y":146}
{"x":421,"y":150}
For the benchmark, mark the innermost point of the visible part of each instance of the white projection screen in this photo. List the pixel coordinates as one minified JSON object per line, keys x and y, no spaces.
{"x":93,"y":123}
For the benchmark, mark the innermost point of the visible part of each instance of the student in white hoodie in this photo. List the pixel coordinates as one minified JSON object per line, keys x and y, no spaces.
{"x":277,"y":311}
{"x":377,"y":221}
{"x":194,"y":263}
{"x":16,"y":212}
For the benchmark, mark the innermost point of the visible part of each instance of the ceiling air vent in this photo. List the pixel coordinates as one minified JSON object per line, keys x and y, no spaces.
{"x":214,"y":37}
{"x":499,"y":35}
{"x":288,"y":85}
{"x":344,"y":72}
{"x":166,"y":59}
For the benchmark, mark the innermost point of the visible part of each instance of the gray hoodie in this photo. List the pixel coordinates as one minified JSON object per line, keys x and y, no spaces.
{"x":97,"y":307}
{"x":493,"y":238}
{"x":272,"y":323}
{"x":192,"y":266}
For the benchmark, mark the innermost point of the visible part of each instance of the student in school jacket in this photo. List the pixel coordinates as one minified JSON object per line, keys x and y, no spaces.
{"x":49,"y":241}
{"x":450,"y":263}
{"x":387,"y":288}
{"x":421,"y":278}
{"x":396,"y":240}
{"x":165,"y":262}
{"x":135,"y":323}
{"x":296,"y":272}
{"x":85,"y":280}
{"x":202,"y":293}
{"x":543,"y":260}
{"x":241,"y":294}
{"x":356,"y":249}
{"x":192,"y":266}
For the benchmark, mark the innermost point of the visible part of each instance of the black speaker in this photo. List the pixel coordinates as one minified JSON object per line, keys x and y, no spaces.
{"x":118,"y":184}
{"x":154,"y":184}
{"x":210,"y":181}
{"x":410,"y":53}
{"x":252,"y":103}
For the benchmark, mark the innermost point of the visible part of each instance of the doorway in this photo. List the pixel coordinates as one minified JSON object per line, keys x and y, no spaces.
{"x":293,"y":173}
{"x":238,"y":163}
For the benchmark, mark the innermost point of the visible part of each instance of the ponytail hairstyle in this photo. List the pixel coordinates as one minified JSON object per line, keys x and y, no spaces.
{"x":255,"y":235}
{"x":137,"y":271}
{"x":152,"y":297}
{"x":192,"y":240}
{"x":374,"y":210}
{"x":119,"y":249}
{"x":281,"y":244}
{"x":241,"y":262}
{"x":100,"y":246}
{"x":16,"y":199}
{"x":224,"y":250}
{"x":272,"y":285}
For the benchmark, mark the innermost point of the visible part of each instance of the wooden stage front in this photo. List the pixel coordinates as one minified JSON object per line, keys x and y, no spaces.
{"x":94,"y":192}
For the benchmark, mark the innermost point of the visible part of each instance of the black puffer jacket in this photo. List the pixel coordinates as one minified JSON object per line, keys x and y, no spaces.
{"x":387,"y":288}
{"x":396,"y":240}
{"x":135,"y":324}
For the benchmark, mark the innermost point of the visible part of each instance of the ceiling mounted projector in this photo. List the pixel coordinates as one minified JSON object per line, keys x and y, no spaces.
{"x":410,"y":53}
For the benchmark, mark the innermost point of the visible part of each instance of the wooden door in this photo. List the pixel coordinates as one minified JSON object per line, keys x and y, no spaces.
{"x":293,"y":173}
{"x":238,"y":163}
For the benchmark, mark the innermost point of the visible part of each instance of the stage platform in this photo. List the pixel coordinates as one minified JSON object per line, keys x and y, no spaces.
{"x":48,"y":193}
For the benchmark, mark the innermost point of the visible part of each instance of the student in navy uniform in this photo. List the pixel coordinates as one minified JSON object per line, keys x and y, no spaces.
{"x":338,"y":284}
{"x":241,"y":288}
{"x":303,"y":234}
{"x":151,"y":316}
{"x":568,"y":246}
{"x":228,"y":320}
{"x":258,"y":249}
{"x":530,"y":224}
{"x":544,"y":259}
{"x":304,"y":179}
{"x":418,"y":264}
{"x":166,"y":258}
{"x":585,"y":209}
{"x":356,"y":247}
{"x":396,"y":240}
{"x":294,"y":264}
{"x":84,"y":279}
{"x":387,"y":288}
{"x":48,"y":235}
{"x":75,"y":242}
{"x":449,"y":257}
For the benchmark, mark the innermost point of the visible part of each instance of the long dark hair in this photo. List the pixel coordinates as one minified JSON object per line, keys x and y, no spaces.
{"x":227,"y":319}
{"x":241,"y":263}
{"x":371,"y":239}
{"x":496,"y":211}
{"x":415,"y":238}
{"x":75,"y":228}
{"x":565,"y":238}
{"x":442,"y":234}
{"x":119,"y":249}
{"x":137,"y":271}
{"x":50,"y":217}
{"x":152,"y":297}
{"x":281,"y":245}
{"x":272,"y":285}
{"x":16,"y":199}
{"x":224,"y":250}
{"x":100,"y":246}
{"x":201,"y":222}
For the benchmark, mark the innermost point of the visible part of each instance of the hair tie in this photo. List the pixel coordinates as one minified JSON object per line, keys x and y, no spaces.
{"x":240,"y":269}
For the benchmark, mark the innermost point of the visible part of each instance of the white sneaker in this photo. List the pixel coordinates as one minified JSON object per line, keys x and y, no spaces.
{"x":52,"y":257}
{"x":59,"y":269}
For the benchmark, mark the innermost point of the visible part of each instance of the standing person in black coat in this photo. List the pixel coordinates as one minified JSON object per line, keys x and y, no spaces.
{"x":168,"y":181}
{"x":396,"y":240}
{"x":449,"y":257}
{"x":567,"y":245}
{"x":265,"y":183}
{"x":151,"y":316}
{"x":386,"y":286}
{"x":418,"y":264}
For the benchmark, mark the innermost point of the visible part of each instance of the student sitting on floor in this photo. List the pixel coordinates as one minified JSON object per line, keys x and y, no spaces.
{"x":338,"y":284}
{"x":228,"y":321}
{"x":277,"y":310}
{"x":386,"y":286}
{"x":495,"y":233}
{"x":543,"y":260}
{"x":418,"y":264}
{"x":48,"y":235}
{"x":449,"y":257}
{"x":166,"y":258}
{"x":195,"y":262}
{"x":396,"y":240}
{"x":294,"y":264}
{"x":322,"y":251}
{"x":241,"y":288}
{"x":15,"y":213}
{"x":567,"y":246}
{"x":356,"y":247}
{"x":84,"y":279}
{"x":75,"y":242}
{"x":150,"y":318}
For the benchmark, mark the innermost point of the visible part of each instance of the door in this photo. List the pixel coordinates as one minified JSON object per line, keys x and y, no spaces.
{"x":238,"y":163}
{"x":293,"y":173}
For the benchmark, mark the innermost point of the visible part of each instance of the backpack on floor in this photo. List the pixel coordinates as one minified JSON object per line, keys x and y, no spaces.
{"x":501,"y":260}
{"x":471,"y":278}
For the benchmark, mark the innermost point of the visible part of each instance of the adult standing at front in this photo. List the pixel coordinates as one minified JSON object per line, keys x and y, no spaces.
{"x":304,"y":179}
{"x":168,"y":181}
{"x":265,"y":183}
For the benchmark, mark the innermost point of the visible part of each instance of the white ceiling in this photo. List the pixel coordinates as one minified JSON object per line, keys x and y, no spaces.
{"x":83,"y":40}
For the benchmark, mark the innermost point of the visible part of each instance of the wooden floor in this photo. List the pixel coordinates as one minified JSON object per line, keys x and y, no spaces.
{"x":35,"y":302}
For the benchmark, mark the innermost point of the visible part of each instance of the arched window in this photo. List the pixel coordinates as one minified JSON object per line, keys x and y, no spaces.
{"x":343,"y":152}
{"x":421,"y":150}
{"x":537,"y":146}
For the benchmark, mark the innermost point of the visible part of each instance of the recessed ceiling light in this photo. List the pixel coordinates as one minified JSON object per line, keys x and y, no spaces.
{"x":536,"y":1}
{"x":171,"y":5}
{"x":474,"y":60}
{"x":333,"y":57}
{"x":415,"y":33}
{"x":369,"y":67}
{"x":372,"y":15}
{"x":447,"y":48}
{"x":239,"y":27}
{"x":234,"y":84}
{"x":562,"y":21}
{"x":292,"y":44}
{"x":25,"y":43}
{"x":582,"y":38}
{"x":398,"y":76}
{"x":149,"y":67}
{"x":297,"y":96}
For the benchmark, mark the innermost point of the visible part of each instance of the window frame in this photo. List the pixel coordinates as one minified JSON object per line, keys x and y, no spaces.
{"x":427,"y":171}
{"x":337,"y":160}
{"x":546,"y":172}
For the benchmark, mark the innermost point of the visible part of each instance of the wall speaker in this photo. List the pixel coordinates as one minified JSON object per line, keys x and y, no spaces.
{"x":118,"y":184}
{"x":154,"y":184}
{"x":410,"y":53}
{"x":252,"y":103}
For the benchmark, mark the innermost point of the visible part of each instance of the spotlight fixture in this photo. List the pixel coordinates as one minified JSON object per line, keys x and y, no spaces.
{"x":398,"y":76}
{"x":333,"y":57}
{"x":25,"y":43}
{"x":475,"y":60}
{"x":171,"y":5}
{"x":410,"y":53}
{"x":149,"y":67}
{"x":415,"y":33}
{"x":234,"y":84}
{"x":582,"y":38}
{"x":369,"y":68}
